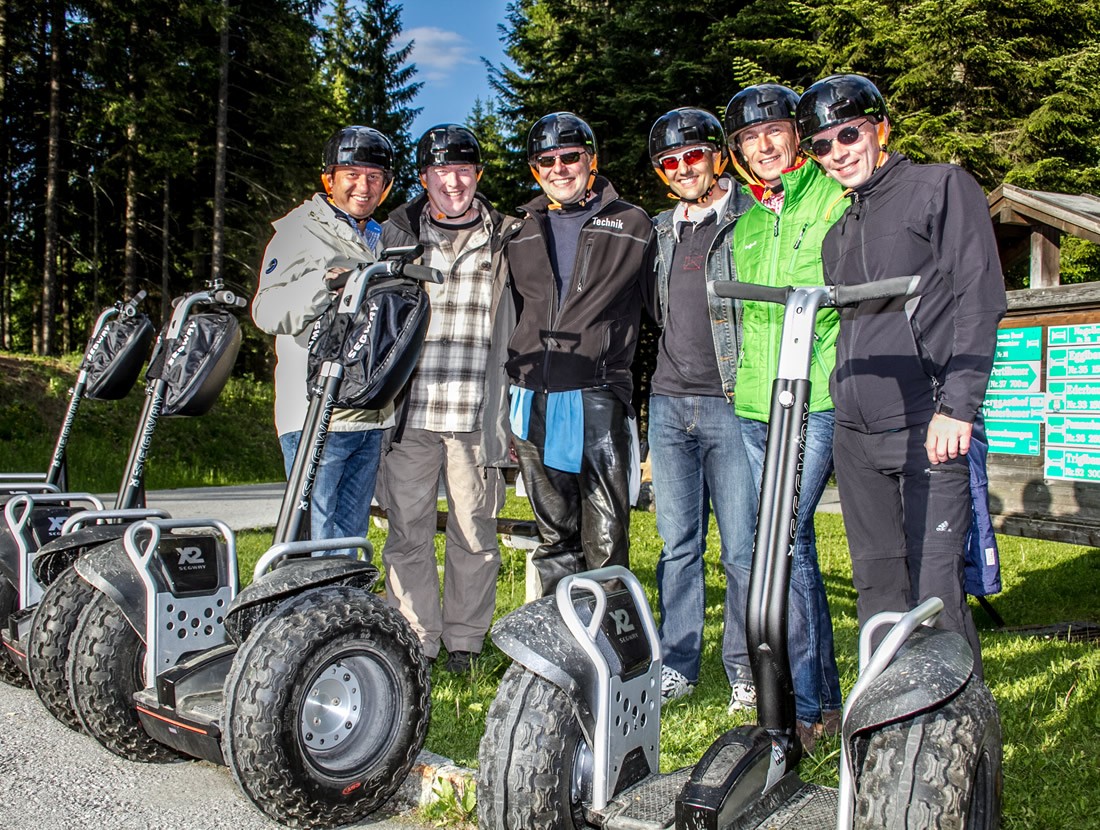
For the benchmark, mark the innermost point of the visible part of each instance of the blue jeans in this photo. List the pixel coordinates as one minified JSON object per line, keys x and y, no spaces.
{"x":809,"y":624}
{"x":699,"y":464}
{"x":342,"y":493}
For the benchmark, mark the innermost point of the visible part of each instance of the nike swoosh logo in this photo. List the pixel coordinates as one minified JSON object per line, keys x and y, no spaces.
{"x":750,"y":245}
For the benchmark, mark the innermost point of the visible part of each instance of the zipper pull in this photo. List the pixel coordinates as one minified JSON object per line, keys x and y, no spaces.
{"x":775,"y":229}
{"x":801,"y":234}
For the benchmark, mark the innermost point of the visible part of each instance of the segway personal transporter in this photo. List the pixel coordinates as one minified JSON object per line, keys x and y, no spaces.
{"x":113,"y":358}
{"x":572,"y":738}
{"x":310,"y":688}
{"x":34,"y":508}
{"x":190,"y":365}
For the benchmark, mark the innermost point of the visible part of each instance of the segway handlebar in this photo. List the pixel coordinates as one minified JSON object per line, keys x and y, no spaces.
{"x":836,"y":296}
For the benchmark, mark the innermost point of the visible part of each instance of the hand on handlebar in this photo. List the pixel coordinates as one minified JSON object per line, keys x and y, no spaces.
{"x":337,"y":278}
{"x":947,"y":438}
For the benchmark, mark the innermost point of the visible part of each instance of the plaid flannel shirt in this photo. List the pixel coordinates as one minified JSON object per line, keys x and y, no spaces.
{"x":445,"y":392}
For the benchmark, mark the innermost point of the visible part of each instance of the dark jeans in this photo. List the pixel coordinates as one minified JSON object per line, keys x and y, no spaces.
{"x":809,"y":625}
{"x":699,"y":465}
{"x":583,"y":518}
{"x":344,"y":487}
{"x":907,"y":521}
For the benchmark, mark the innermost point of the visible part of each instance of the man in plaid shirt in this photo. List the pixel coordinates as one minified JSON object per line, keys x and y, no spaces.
{"x":452,"y":418}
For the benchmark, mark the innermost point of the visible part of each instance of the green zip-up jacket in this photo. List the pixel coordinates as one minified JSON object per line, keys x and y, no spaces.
{"x":785,"y":250}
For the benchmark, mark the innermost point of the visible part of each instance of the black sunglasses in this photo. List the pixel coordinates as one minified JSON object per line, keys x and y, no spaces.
{"x":546,"y":162}
{"x":823,"y":146}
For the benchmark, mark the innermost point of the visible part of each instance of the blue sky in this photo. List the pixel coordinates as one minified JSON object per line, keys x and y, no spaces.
{"x":450,"y":40}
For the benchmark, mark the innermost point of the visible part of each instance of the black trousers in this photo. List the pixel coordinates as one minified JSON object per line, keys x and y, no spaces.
{"x":583,"y":518}
{"x":907,"y":521}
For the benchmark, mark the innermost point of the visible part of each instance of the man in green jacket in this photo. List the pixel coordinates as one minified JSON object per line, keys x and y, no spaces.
{"x":778,"y":242}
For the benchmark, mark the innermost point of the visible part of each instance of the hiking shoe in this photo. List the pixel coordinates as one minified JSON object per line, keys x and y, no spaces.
{"x":458,"y":662}
{"x":830,"y":722}
{"x":807,"y":735}
{"x":674,"y":685}
{"x":742,"y":696}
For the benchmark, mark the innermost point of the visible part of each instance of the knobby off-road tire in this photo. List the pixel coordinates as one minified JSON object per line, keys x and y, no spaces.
{"x":10,"y":673}
{"x":55,"y":620}
{"x":938,"y":771}
{"x":105,"y":668}
{"x":531,"y":761}
{"x":327,"y":706}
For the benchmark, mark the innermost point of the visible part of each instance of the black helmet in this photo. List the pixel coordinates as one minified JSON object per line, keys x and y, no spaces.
{"x":835,"y":100}
{"x":682,"y":127}
{"x":447,"y":144}
{"x":759,"y":104}
{"x":560,"y":129}
{"x":357,"y":147}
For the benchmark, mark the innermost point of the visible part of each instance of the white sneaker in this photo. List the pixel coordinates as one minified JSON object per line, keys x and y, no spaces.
{"x":674,"y":685}
{"x":742,"y":696}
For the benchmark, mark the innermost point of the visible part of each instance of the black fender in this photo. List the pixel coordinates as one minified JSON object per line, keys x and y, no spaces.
{"x":9,"y":557}
{"x":536,"y":637}
{"x":290,"y":579}
{"x":109,"y":570}
{"x":54,"y":557}
{"x":929,"y":669}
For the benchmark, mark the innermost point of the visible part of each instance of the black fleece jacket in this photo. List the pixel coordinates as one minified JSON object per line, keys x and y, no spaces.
{"x":588,"y":340}
{"x":899,"y":361}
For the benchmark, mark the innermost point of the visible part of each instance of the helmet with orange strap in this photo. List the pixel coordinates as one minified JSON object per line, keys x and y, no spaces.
{"x":357,"y":146}
{"x":558,"y":130}
{"x":758,"y":104}
{"x":687,"y":127}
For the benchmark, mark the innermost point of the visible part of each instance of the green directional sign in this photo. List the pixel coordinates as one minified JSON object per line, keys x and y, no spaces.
{"x":1019,"y":344}
{"x":1076,"y":431}
{"x":1014,"y":377}
{"x":1072,"y":464}
{"x":1014,"y":406}
{"x":1073,"y":361}
{"x":1073,"y":335}
{"x":1074,"y":396}
{"x":1013,"y":437}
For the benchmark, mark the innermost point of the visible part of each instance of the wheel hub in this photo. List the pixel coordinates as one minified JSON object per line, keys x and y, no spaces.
{"x":332,"y":707}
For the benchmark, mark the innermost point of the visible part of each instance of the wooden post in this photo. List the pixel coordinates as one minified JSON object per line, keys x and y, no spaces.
{"x":1045,"y":256}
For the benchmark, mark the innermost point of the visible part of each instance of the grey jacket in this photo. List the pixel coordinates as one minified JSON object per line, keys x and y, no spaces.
{"x":725,"y":315}
{"x":292,"y":293}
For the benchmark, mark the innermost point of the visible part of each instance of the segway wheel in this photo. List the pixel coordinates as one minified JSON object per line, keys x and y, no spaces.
{"x":10,"y":672}
{"x":534,"y":764}
{"x":938,"y":771}
{"x":55,"y":620}
{"x":105,"y":669}
{"x":327,"y":706}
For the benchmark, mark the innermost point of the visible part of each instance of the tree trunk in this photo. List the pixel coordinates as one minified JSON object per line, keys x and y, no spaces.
{"x":165,"y":241}
{"x":5,"y":242}
{"x":53,"y":176}
{"x":129,"y":216}
{"x":217,"y":252}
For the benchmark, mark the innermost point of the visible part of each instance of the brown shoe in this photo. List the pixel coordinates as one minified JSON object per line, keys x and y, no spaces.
{"x":830,"y":722}
{"x":808,"y":737}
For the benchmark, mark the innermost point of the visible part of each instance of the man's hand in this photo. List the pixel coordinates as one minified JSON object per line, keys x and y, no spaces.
{"x":947,"y":438}
{"x":337,"y":278}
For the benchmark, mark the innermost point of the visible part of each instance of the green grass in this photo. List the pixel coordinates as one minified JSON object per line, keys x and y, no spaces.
{"x":1048,"y":690}
{"x":234,"y":443}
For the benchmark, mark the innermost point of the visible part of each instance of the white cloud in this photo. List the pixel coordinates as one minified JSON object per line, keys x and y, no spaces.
{"x":438,"y":53}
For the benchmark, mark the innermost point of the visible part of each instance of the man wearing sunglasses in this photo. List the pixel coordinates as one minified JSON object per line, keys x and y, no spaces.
{"x":778,"y":242}
{"x":578,"y":265}
{"x":452,"y":414}
{"x":695,"y":449}
{"x":910,"y":373}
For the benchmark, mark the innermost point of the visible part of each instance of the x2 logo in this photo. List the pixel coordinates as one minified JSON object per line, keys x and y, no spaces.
{"x":191,"y":556}
{"x":621,"y":618}
{"x":56,"y":523}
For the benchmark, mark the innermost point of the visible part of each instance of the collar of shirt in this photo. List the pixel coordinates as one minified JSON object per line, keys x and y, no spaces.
{"x":370,"y":233}
{"x":693,"y":214}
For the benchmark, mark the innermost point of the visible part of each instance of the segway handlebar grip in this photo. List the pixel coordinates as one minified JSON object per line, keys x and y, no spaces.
{"x":734,"y":290}
{"x":422,"y":273}
{"x":844,"y":295}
